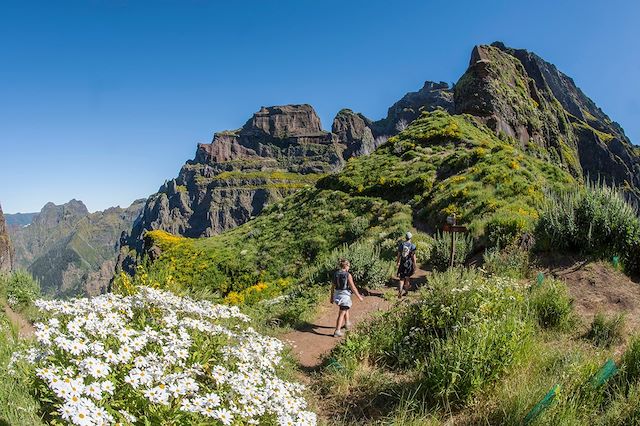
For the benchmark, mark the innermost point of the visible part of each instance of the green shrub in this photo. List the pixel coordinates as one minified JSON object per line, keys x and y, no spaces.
{"x":596,"y":220}
{"x":357,"y":227}
{"x":551,"y":304}
{"x":505,"y":229}
{"x":21,"y":289}
{"x":462,"y":334}
{"x":604,"y":331}
{"x":424,"y":244}
{"x":367,"y":267}
{"x":441,"y":250}
{"x":511,"y":262}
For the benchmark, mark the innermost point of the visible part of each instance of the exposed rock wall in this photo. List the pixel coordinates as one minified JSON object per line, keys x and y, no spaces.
{"x":6,"y":250}
{"x":519,"y":95}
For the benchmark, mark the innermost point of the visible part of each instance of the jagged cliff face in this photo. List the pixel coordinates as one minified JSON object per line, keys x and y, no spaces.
{"x":6,"y":252}
{"x":519,"y":95}
{"x":71,"y":251}
{"x":278,"y":151}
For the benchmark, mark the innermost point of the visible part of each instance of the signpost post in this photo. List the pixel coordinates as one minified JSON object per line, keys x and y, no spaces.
{"x":451,"y":227}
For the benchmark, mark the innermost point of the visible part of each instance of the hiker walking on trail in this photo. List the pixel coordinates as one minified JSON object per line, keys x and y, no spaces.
{"x":341,"y":291}
{"x":406,"y":263}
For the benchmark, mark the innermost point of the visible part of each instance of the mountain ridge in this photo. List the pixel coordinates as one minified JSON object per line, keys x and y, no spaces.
{"x":525,"y":101}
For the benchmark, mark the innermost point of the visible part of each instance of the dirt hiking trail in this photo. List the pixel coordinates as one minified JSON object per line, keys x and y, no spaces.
{"x":313,"y":341}
{"x":25,"y":328}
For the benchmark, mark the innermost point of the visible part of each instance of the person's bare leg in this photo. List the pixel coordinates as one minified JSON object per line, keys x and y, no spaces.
{"x":347,"y":323}
{"x":340,"y":320}
{"x":407,"y":285}
{"x":400,"y":283}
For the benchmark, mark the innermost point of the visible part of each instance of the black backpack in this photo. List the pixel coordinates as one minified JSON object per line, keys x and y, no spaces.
{"x":341,"y":280}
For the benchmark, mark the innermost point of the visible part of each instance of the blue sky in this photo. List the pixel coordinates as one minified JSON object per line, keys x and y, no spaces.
{"x":104,"y":100}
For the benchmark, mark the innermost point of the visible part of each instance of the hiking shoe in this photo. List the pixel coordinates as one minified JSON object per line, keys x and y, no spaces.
{"x":347,"y":326}
{"x":338,"y":333}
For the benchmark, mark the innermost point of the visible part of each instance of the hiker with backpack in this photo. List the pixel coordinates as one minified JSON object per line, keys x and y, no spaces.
{"x":341,"y":291}
{"x":406,"y":263}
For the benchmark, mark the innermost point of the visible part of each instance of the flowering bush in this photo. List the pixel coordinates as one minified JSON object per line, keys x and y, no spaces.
{"x":156,"y":358}
{"x":464,"y":332}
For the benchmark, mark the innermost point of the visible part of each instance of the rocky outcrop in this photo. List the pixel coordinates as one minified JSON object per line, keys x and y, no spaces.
{"x":354,"y":131}
{"x":523,"y":97}
{"x":6,"y":251}
{"x":432,"y":95}
{"x":287,"y":137}
{"x":70,"y":250}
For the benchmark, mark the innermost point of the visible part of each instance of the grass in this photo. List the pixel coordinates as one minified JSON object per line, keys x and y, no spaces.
{"x":551,"y":305}
{"x":17,"y":405}
{"x":463,"y":334}
{"x":478,"y":356}
{"x":606,"y":331}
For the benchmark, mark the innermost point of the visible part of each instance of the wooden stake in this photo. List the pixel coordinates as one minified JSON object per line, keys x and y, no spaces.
{"x":453,"y":248}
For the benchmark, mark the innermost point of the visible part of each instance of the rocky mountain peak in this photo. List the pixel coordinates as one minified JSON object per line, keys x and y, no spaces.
{"x":523,"y":97}
{"x":285,"y":121}
{"x":52,"y":214}
{"x":275,"y":132}
{"x":354,"y":131}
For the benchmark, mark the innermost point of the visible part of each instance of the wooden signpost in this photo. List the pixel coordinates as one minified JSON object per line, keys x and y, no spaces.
{"x":451,"y":227}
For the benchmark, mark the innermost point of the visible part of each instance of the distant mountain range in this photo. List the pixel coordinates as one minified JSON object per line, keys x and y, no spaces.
{"x":69,"y":250}
{"x":19,"y":219}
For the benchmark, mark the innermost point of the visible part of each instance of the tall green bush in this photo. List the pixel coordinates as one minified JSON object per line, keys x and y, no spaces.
{"x":595,"y":220}
{"x":551,"y":304}
{"x":441,"y":250}
{"x":367,"y":267}
{"x":20,"y":289}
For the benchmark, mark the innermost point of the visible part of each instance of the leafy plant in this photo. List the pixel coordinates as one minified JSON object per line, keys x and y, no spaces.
{"x":595,"y":220}
{"x":367,"y":267}
{"x":551,"y":304}
{"x":465,"y":331}
{"x":605,"y":331}
{"x":20,"y":288}
{"x":510,"y":262}
{"x":441,"y":250}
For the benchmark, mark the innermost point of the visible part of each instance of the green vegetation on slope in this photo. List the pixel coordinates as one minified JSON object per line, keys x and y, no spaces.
{"x":280,"y":243}
{"x":443,"y":164}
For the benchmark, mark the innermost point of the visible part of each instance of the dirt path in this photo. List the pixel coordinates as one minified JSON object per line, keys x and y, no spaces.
{"x":313,"y":341}
{"x":25,"y":328}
